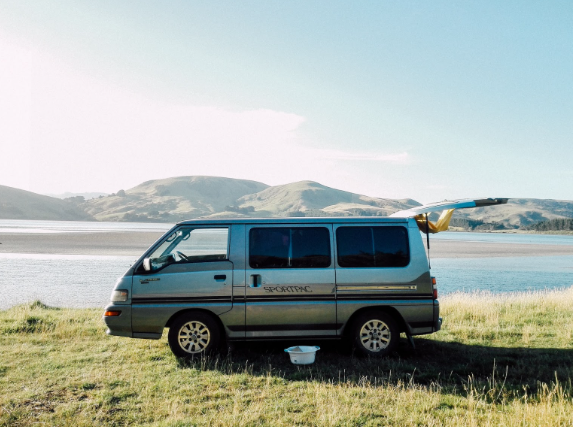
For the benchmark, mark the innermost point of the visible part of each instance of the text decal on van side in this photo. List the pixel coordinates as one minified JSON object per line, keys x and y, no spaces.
{"x":294,"y":289}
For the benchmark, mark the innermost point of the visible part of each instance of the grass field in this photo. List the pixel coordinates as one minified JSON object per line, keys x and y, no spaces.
{"x":499,"y":360}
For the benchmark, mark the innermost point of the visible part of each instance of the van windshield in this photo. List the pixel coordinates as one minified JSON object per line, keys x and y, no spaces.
{"x":191,"y":245}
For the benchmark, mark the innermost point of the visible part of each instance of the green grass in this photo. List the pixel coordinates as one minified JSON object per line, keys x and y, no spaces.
{"x":499,"y":360}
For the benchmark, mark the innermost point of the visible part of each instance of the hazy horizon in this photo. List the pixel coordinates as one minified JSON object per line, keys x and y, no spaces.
{"x":428,"y":101}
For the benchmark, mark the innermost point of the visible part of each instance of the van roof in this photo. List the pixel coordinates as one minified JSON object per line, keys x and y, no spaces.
{"x":297,"y":220}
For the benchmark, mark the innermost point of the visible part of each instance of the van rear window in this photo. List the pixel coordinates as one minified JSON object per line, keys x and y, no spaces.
{"x":372,"y":246}
{"x":289,"y":247}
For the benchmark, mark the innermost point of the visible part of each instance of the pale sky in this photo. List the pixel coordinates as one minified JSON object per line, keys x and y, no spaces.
{"x":428,"y":100}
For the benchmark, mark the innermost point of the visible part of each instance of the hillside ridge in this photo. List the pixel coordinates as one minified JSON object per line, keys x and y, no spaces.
{"x":21,"y":204}
{"x":187,"y":197}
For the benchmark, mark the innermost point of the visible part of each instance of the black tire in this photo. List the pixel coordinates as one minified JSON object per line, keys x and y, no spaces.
{"x":194,"y":334}
{"x":375,"y":333}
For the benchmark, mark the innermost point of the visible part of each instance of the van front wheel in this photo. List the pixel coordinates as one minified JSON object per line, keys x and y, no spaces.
{"x":375,"y":334}
{"x":193,"y":334}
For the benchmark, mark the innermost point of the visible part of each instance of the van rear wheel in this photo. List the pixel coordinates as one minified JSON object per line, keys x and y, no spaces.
{"x":375,"y":334}
{"x":193,"y":334}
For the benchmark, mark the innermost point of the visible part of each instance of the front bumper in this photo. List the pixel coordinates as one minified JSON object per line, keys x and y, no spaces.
{"x":118,"y":325}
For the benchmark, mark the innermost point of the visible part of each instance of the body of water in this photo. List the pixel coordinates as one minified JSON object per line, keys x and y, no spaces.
{"x":503,"y":274}
{"x":87,"y":281}
{"x":59,"y":280}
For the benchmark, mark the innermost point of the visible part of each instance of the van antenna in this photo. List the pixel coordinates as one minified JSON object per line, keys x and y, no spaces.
{"x":428,"y":240}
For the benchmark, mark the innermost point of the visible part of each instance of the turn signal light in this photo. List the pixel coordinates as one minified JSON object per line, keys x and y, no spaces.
{"x":111,"y":313}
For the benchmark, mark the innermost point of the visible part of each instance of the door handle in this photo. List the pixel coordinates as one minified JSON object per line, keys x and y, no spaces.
{"x":151,"y":279}
{"x":255,"y":281}
{"x":220,"y":276}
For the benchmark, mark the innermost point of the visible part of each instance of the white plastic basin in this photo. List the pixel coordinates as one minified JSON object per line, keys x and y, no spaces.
{"x":302,"y":354}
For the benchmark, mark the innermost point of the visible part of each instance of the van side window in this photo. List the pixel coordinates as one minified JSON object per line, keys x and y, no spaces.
{"x":289,"y":247}
{"x":310,"y":247}
{"x":372,"y":246}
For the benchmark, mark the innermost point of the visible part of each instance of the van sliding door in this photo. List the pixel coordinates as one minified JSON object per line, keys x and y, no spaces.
{"x":290,"y":281}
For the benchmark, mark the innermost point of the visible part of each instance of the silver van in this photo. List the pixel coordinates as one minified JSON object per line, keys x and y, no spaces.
{"x":210,"y":281}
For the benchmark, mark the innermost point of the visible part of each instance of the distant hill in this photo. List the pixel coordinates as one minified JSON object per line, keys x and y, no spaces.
{"x":306,"y":198}
{"x":21,"y":204}
{"x":187,"y":197}
{"x":172,"y":199}
{"x":519,"y":212}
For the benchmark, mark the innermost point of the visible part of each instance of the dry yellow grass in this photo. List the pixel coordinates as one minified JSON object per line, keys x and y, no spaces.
{"x":500,"y":360}
{"x":527,"y":319}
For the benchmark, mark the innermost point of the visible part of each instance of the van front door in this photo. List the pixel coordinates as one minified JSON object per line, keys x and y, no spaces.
{"x":189,"y":269}
{"x":290,"y":281}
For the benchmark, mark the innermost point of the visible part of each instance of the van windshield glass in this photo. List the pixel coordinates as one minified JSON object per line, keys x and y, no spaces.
{"x":191,"y":245}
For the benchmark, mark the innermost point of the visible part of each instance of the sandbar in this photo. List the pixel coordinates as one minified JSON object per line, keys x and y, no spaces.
{"x":121,"y":243}
{"x":126,"y":243}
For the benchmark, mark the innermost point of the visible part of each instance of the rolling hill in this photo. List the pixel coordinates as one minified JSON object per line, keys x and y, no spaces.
{"x":175,"y":199}
{"x":520,"y":212}
{"x":307,"y":198}
{"x":172,"y":199}
{"x":185,"y":197}
{"x":21,"y":204}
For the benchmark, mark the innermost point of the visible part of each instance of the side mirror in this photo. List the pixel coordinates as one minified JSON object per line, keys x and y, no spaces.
{"x":147,"y":264}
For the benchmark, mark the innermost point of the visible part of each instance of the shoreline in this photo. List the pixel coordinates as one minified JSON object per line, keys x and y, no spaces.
{"x":512,"y":231}
{"x":461,"y":249}
{"x":134,"y":243}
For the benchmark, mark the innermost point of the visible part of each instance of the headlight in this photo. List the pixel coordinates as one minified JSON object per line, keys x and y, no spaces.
{"x":119,"y":295}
